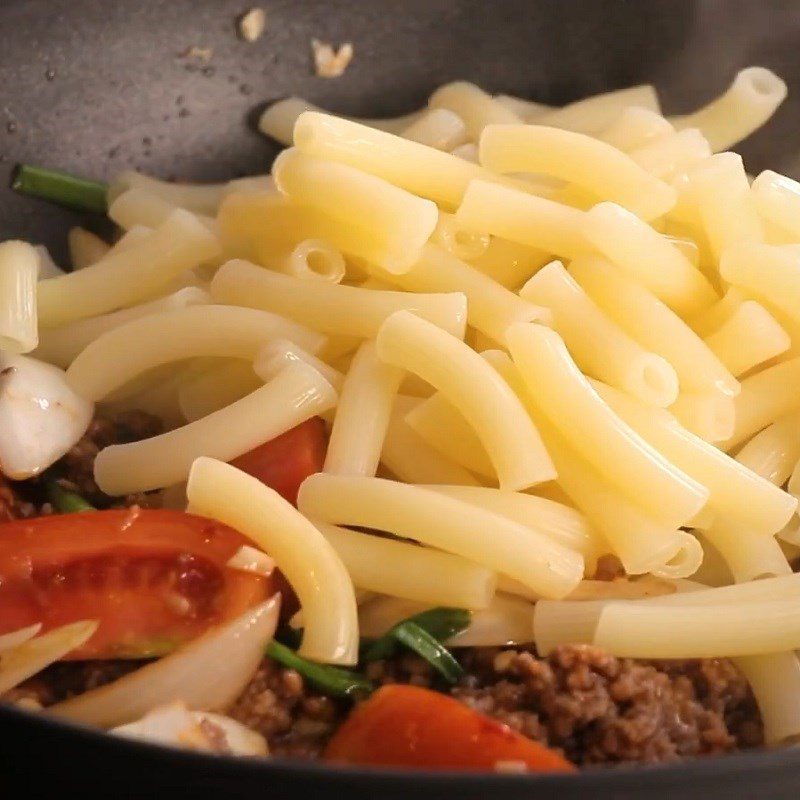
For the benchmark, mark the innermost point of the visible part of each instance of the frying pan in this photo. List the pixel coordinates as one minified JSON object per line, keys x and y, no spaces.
{"x":98,"y":87}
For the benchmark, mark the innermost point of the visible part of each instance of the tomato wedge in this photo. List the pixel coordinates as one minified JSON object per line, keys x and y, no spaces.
{"x":286,"y":461}
{"x":405,"y":726}
{"x":152,"y":578}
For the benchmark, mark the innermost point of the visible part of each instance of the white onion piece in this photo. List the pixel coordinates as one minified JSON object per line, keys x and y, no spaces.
{"x":177,"y":726}
{"x":508,"y":620}
{"x":32,"y":656}
{"x":250,"y":559}
{"x":15,"y":638}
{"x":41,"y":417}
{"x":207,"y":674}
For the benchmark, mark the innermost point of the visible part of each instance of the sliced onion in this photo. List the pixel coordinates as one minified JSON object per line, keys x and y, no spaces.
{"x":32,"y":656}
{"x":508,"y":620}
{"x":207,"y":674}
{"x":41,"y":418}
{"x":177,"y":726}
{"x":15,"y":638}
{"x":250,"y":559}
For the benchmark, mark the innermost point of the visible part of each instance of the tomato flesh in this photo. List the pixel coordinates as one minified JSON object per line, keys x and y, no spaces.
{"x":286,"y":461}
{"x":406,"y":726}
{"x":152,"y":578}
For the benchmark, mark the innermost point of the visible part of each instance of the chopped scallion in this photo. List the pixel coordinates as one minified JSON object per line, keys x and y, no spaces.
{"x":60,"y":187}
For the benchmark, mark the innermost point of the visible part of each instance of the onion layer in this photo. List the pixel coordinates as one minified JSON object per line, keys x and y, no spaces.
{"x":207,"y":674}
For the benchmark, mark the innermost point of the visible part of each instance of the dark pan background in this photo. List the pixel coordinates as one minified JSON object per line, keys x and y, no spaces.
{"x":96,"y":86}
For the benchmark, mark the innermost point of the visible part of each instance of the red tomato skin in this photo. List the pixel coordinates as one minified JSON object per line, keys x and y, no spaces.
{"x":152,"y":578}
{"x":409,"y":727}
{"x":286,"y":461}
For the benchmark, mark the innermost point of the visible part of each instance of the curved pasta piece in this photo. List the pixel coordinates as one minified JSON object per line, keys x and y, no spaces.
{"x":474,"y":388}
{"x":568,"y":400}
{"x":578,"y":159}
{"x":310,"y":564}
{"x":122,"y":353}
{"x":448,"y":524}
{"x":296,"y":394}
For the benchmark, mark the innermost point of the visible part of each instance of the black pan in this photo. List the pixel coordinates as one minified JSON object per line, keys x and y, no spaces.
{"x":96,"y":87}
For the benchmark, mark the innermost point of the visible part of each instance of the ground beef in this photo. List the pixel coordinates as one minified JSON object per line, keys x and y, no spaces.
{"x":596,"y":708}
{"x":295,"y":720}
{"x":12,"y":503}
{"x":76,"y":468}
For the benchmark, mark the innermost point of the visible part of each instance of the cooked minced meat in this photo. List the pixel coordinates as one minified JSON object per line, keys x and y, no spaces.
{"x":596,"y":708}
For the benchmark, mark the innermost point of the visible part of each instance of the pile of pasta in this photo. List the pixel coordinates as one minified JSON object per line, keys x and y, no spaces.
{"x":538,"y":335}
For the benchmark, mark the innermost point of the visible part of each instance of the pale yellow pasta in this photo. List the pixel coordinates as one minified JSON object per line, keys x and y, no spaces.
{"x":212,"y":389}
{"x":764,"y":398}
{"x":597,"y":344}
{"x":461,"y":243}
{"x":302,"y":553}
{"x":200,"y":198}
{"x":475,"y":389}
{"x":522,"y":218}
{"x":526,"y":109}
{"x":337,"y":309}
{"x":129,"y":276}
{"x":296,"y":394}
{"x":279,"y":119}
{"x":641,"y":541}
{"x":561,"y":523}
{"x":411,"y":459}
{"x":577,"y":159}
{"x":669,"y":155}
{"x":709,"y":415}
{"x":734,"y":222}
{"x":85,"y":247}
{"x":654,"y":326}
{"x":398,"y":222}
{"x":634,"y":127}
{"x":736,"y":490}
{"x":61,"y":345}
{"x":491,"y":308}
{"x":749,"y":337}
{"x":749,"y":557}
{"x":139,"y":207}
{"x":422,"y":170}
{"x":362,"y":415}
{"x":647,"y":257}
{"x":222,"y":331}
{"x":767,"y":272}
{"x":744,"y":107}
{"x":314,"y":259}
{"x":47,"y":267}
{"x":445,"y":523}
{"x":439,"y":128}
{"x":592,"y":114}
{"x":444,"y":428}
{"x":477,"y":108}
{"x":775,"y":682}
{"x":773,"y":453}
{"x":467,"y":152}
{"x":559,"y":389}
{"x":777,"y":198}
{"x":401,"y":569}
{"x":637,"y":631}
{"x":279,"y":353}
{"x":19,"y":271}
{"x":508,"y":263}
{"x":711,"y":319}
{"x":249,"y":185}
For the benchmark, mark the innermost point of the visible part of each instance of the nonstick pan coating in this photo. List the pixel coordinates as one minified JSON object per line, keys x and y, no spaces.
{"x":97,"y":87}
